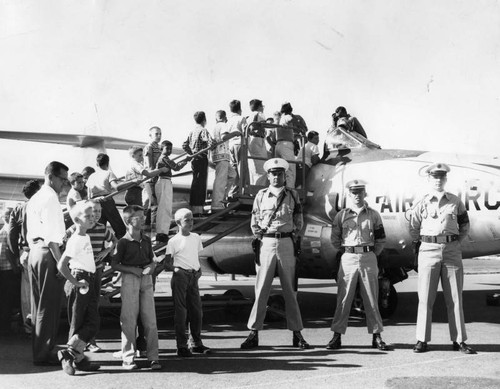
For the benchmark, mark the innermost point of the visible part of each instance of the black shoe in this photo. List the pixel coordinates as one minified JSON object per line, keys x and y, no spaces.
{"x":85,"y":365}
{"x":420,"y":347}
{"x":66,"y":360}
{"x":299,"y":341}
{"x":379,"y":343}
{"x":335,"y":343}
{"x":252,"y":341}
{"x":184,"y":352}
{"x":161,"y":238}
{"x":463,"y":348}
{"x":201,"y":349}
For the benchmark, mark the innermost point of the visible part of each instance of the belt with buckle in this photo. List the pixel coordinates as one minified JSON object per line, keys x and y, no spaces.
{"x":187,"y":270}
{"x":83,"y":272}
{"x":358,"y":249}
{"x":278,"y":235}
{"x":438,"y":238}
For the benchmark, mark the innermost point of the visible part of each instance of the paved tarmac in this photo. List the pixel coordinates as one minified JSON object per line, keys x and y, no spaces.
{"x":278,"y":365}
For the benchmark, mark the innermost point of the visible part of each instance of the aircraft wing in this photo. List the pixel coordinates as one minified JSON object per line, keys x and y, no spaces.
{"x":90,"y":141}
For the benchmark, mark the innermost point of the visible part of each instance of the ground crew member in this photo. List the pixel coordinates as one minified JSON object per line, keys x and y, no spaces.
{"x":276,"y":216}
{"x":358,"y":233}
{"x":438,"y":224}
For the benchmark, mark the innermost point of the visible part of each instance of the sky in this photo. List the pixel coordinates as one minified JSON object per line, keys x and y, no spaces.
{"x":421,"y":75}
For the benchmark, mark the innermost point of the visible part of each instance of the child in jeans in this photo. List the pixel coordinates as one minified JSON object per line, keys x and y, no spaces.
{"x":184,"y":248}
{"x":80,"y":289}
{"x":134,"y":258}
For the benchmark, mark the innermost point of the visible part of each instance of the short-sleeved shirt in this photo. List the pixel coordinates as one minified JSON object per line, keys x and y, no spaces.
{"x":74,"y":195}
{"x":44,"y":217}
{"x":79,"y":249}
{"x":154,"y":149}
{"x":288,"y":218}
{"x":235,"y":122}
{"x":134,"y":172}
{"x":184,"y":250}
{"x":198,"y":139}
{"x":435,"y":216}
{"x":221,"y":152}
{"x":98,"y":235}
{"x":99,"y":183}
{"x":131,"y":252}
{"x":310,"y":150}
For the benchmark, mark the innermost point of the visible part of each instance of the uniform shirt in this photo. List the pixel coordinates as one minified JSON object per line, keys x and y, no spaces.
{"x":171,"y":165}
{"x":236,"y":122}
{"x":310,"y":150}
{"x":198,"y":139}
{"x":44,"y":217}
{"x":4,"y":261}
{"x":446,"y":216}
{"x":79,"y":249}
{"x":131,"y":252}
{"x":221,"y":152}
{"x":288,"y":218}
{"x":74,"y":195}
{"x":358,"y":229}
{"x":99,"y":183}
{"x":184,"y":250}
{"x":135,"y":172}
{"x":152,"y":148}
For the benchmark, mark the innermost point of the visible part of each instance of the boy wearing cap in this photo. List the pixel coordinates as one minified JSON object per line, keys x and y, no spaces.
{"x":358,"y":235}
{"x":438,"y":224}
{"x":276,"y":217}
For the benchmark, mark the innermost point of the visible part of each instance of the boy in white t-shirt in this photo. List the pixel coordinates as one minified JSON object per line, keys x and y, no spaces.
{"x":183,"y":248}
{"x":80,"y":290}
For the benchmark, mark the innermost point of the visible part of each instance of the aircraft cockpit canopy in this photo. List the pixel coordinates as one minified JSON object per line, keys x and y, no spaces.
{"x":339,"y":139}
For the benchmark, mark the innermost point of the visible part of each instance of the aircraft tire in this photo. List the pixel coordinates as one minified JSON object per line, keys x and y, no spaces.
{"x":275,"y":308}
{"x":233,"y":294}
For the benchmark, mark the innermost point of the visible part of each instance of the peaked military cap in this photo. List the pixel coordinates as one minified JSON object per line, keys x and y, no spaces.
{"x":275,"y":164}
{"x":355,"y":184}
{"x":438,"y":169}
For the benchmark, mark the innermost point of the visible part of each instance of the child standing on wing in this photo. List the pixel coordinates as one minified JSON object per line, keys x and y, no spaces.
{"x":184,"y":248}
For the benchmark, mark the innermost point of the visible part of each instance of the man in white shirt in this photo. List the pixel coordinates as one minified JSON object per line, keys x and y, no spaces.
{"x":311,"y":156}
{"x":235,"y":125}
{"x":45,"y":232}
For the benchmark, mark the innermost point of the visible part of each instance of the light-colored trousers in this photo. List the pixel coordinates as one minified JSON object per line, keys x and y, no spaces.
{"x":440,"y":262}
{"x":137,"y":295}
{"x":284,"y":149}
{"x":225,"y":175}
{"x":275,"y":254}
{"x":356,"y":268}
{"x":257,"y":148}
{"x":164,"y":195}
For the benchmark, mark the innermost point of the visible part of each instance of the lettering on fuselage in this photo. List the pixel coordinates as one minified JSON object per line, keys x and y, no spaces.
{"x":476,"y":197}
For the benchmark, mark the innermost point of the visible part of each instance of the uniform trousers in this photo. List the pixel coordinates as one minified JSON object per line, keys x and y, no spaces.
{"x":440,"y":262}
{"x":285,"y":149}
{"x":187,"y":306}
{"x":224,"y":180}
{"x":164,"y":195}
{"x":257,"y":148}
{"x":275,"y":254}
{"x":46,"y":291}
{"x":356,"y":268}
{"x":138,"y":296}
{"x":110,"y":214}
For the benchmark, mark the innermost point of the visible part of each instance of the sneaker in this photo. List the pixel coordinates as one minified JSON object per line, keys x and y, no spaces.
{"x":85,"y":365}
{"x":93,"y":348}
{"x":155,"y":365}
{"x":66,"y":360}
{"x":129,"y":366}
{"x":184,"y":352}
{"x":201,"y":349}
{"x":117,"y":354}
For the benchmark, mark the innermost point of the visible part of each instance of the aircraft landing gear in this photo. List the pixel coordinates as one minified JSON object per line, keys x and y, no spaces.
{"x":275,"y":308}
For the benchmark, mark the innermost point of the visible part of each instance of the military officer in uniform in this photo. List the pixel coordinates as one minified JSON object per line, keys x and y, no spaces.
{"x":276,"y":216}
{"x":358,"y":234}
{"x":438,"y":224}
